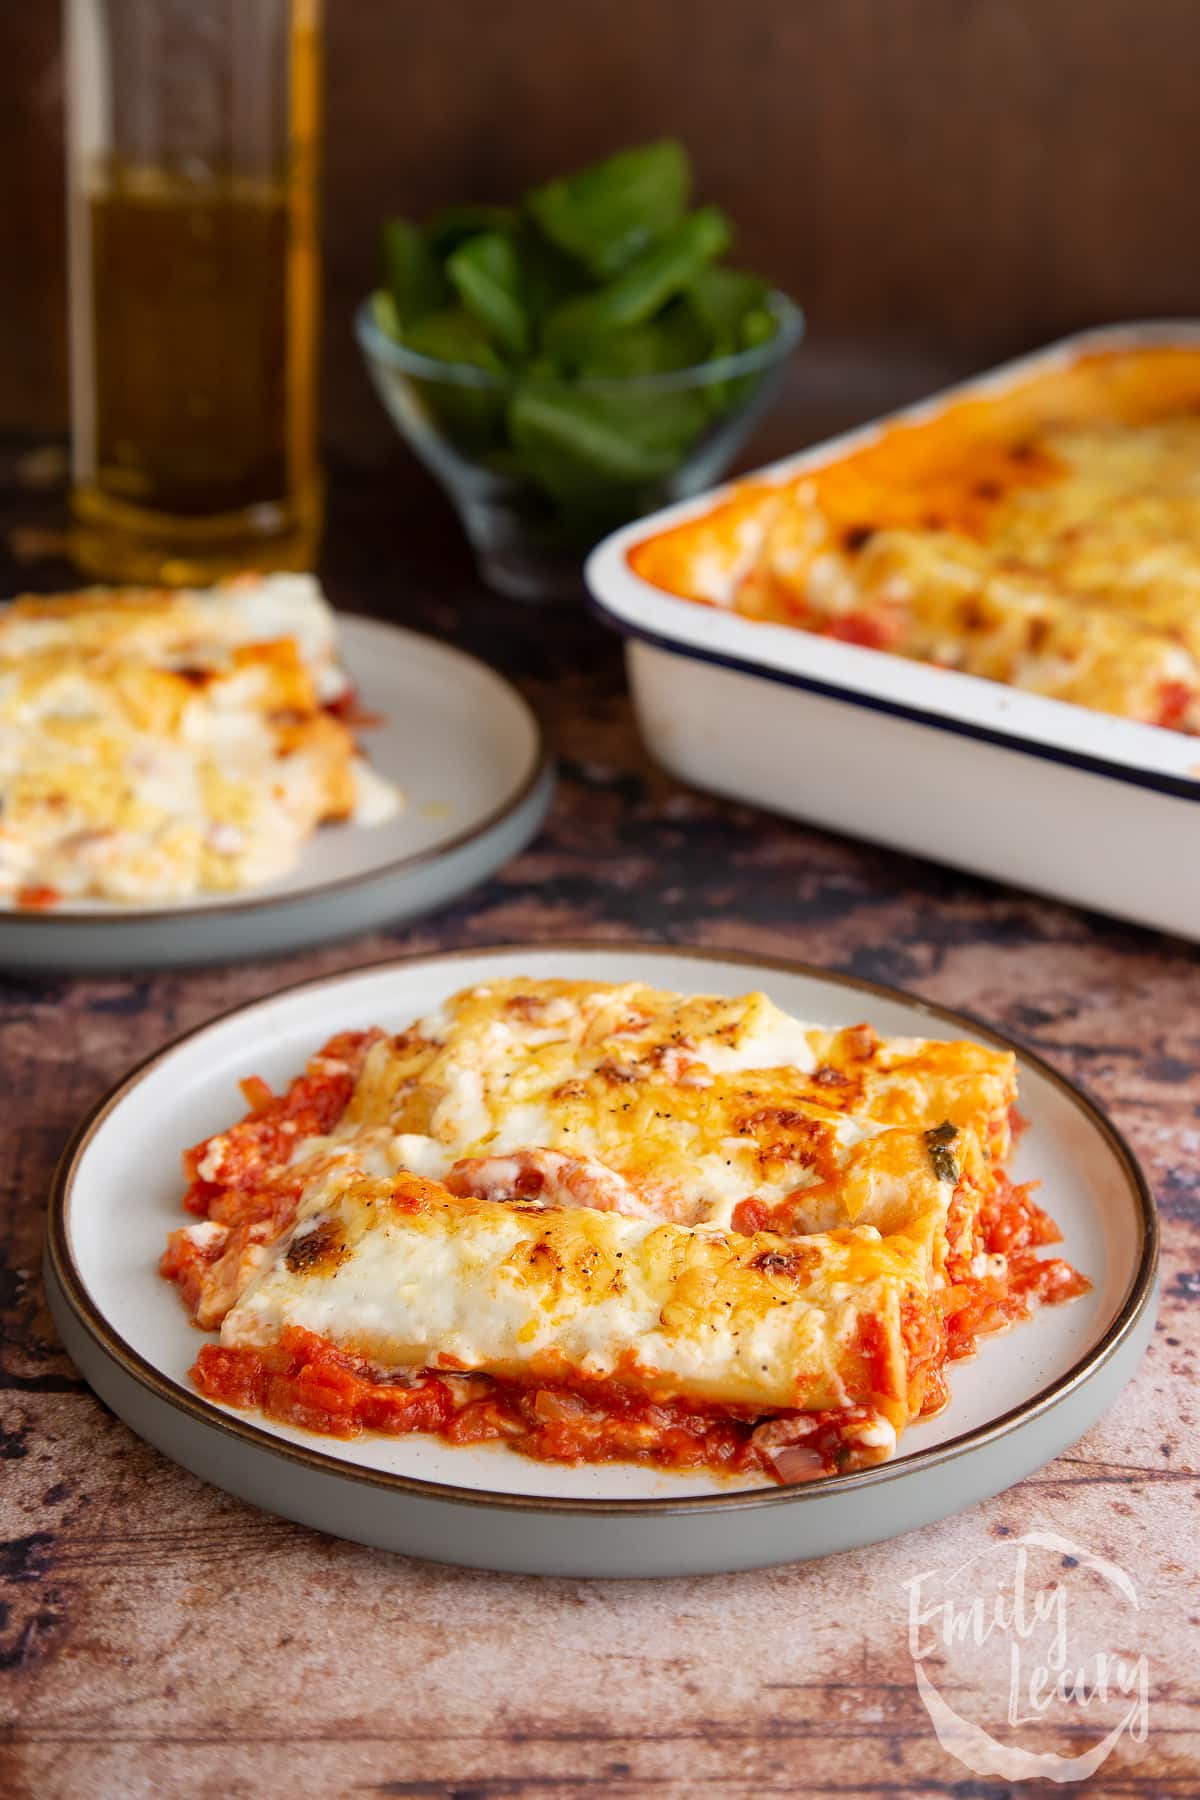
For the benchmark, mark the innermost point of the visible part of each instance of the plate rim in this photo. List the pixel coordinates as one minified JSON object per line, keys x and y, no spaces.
{"x":255,"y":900}
{"x":1139,"y":1294}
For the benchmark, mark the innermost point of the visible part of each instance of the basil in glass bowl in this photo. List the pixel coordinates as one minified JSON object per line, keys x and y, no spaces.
{"x":575,"y":361}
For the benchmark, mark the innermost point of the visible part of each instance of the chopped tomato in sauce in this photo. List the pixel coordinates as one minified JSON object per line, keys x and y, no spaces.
{"x":1174,"y":702}
{"x":245,"y":1169}
{"x":1018,"y":1124}
{"x":305,"y":1380}
{"x":38,"y":899}
{"x":348,"y":708}
{"x":871,"y":630}
{"x":1011,"y":1225}
{"x":751,"y":1215}
{"x":247,"y":1185}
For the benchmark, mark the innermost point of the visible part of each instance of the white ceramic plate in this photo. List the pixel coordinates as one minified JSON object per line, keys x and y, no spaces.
{"x":1024,"y":1399}
{"x":458,"y":739}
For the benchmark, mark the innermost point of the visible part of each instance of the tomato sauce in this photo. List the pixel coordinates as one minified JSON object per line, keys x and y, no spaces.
{"x":305,"y":1380}
{"x":257,"y":1148}
{"x":872,"y":630}
{"x":251,"y":1190}
{"x":37,"y":898}
{"x":1012,"y":1225}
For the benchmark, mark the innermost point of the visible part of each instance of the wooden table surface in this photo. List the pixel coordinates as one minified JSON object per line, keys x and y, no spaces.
{"x":158,"y":1638}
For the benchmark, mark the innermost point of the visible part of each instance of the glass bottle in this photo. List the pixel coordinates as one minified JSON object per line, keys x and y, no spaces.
{"x":192,"y":140}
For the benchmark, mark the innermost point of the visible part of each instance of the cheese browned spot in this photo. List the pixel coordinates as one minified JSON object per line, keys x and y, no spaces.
{"x":155,"y":745}
{"x":681,"y":1108}
{"x":627,"y":1223}
{"x":1044,"y":535}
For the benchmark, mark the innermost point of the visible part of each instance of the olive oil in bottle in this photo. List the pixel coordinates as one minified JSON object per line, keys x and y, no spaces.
{"x":192,"y":165}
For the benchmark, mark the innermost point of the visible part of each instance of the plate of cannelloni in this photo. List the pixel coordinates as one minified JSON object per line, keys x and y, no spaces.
{"x":602,"y":1260}
{"x":190,"y":776}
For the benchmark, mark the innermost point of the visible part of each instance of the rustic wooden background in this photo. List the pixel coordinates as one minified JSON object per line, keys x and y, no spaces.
{"x":158,"y":1639}
{"x":941,"y":180}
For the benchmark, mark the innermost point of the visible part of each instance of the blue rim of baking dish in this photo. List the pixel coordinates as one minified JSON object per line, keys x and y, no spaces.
{"x":1178,"y":787}
{"x":1139,"y":1295}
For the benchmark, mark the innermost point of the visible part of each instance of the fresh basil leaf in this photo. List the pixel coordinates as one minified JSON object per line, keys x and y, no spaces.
{"x":573,"y":440}
{"x":601,"y":282}
{"x":452,"y":335}
{"x":607,"y":214}
{"x":729,"y":308}
{"x":412,"y":274}
{"x":486,"y":274}
{"x":383,"y":311}
{"x":548,"y":277}
{"x":758,"y":327}
{"x":661,"y":272}
{"x":471,"y":417}
{"x":671,"y":341}
{"x":455,"y":224}
{"x":721,"y":300}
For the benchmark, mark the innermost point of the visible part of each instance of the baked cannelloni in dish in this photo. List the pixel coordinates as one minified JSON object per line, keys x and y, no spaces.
{"x":155,"y":745}
{"x":605,"y":1222}
{"x":1044,"y":534}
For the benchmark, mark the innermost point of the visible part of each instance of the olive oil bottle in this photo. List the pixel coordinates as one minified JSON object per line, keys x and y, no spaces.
{"x":192,"y":163}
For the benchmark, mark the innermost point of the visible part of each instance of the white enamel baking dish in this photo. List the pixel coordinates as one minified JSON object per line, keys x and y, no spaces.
{"x":1031,"y":791}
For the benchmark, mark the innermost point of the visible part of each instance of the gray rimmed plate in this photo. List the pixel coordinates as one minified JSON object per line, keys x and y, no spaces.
{"x":1026,"y":1397}
{"x":471,"y":758}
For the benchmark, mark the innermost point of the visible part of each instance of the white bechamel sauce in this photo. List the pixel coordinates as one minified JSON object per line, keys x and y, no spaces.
{"x":783,"y":1044}
{"x":198,"y":624}
{"x":875,"y":1433}
{"x":375,"y":800}
{"x":422,"y":1292}
{"x":433,"y":1025}
{"x":217,"y":786}
{"x":718,"y":573}
{"x":205,"y":1233}
{"x":211,"y":1163}
{"x":461,"y":1115}
{"x":420,"y":1155}
{"x":474,"y":1120}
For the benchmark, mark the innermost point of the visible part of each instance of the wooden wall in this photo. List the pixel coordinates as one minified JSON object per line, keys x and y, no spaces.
{"x":947,"y":179}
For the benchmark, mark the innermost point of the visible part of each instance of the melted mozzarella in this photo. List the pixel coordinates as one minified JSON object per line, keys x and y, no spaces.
{"x":778,"y":1042}
{"x":511,"y":1292}
{"x":682,"y":1107}
{"x":1044,"y":535}
{"x":156,"y":746}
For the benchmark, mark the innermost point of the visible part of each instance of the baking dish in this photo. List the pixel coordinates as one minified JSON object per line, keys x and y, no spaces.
{"x":1035,"y":791}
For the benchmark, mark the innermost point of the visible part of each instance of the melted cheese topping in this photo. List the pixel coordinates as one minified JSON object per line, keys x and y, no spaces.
{"x":625,"y":1098}
{"x":1047,"y":536}
{"x":181,"y":628}
{"x":407,"y":1277}
{"x":586,"y":1252}
{"x":154,"y":746}
{"x":542,"y":1182}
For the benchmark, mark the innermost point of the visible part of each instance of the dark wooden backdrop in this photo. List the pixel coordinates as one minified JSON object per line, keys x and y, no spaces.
{"x":937,"y":180}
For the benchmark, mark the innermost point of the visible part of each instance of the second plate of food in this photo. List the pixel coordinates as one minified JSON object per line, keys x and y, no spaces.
{"x":603,"y":1260}
{"x":451,"y":749}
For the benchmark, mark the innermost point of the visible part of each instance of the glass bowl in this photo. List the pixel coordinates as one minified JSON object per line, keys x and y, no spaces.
{"x":593,"y":453}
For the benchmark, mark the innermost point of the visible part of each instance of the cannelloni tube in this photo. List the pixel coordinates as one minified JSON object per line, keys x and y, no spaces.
{"x":406,"y":1276}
